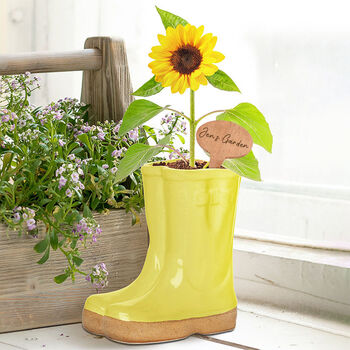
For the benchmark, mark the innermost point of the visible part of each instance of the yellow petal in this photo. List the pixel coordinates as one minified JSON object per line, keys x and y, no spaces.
{"x":181,"y":37}
{"x":162,"y":39}
{"x":213,"y":57}
{"x":202,"y":79}
{"x":208,"y":69}
{"x":191,"y":34}
{"x":184,"y":86}
{"x":169,"y":78}
{"x":194,"y":83}
{"x":204,"y":39}
{"x":208,"y":45}
{"x":198,"y":33}
{"x":160,"y":67}
{"x":176,"y":84}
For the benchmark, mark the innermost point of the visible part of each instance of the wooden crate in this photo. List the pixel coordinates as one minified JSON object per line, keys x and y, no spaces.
{"x":29,"y":297}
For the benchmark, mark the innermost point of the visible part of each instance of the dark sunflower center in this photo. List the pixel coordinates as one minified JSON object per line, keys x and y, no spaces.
{"x":186,"y":59}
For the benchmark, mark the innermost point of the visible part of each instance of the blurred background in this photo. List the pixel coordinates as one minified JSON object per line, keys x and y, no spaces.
{"x":289,"y":58}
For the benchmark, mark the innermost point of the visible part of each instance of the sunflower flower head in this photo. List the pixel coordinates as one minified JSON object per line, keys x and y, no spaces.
{"x":184,"y":58}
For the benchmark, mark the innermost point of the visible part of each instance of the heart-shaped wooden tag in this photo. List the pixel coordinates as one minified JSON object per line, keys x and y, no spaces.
{"x":223,"y":139}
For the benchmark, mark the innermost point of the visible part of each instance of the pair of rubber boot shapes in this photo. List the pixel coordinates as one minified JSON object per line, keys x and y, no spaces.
{"x":186,"y":284}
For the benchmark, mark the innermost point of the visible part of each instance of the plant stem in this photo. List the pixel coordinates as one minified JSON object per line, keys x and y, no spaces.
{"x":205,"y":115}
{"x":192,"y":130}
{"x":177,"y":112}
{"x":177,"y":152}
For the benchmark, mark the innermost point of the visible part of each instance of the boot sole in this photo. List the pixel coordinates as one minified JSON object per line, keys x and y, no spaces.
{"x":131,"y":332}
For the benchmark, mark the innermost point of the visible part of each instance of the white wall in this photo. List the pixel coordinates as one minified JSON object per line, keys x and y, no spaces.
{"x":289,"y":58}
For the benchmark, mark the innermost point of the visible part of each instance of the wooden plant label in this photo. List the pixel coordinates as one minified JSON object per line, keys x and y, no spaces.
{"x":223,"y":139}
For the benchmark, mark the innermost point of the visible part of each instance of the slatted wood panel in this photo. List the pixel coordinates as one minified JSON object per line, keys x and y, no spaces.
{"x":30,"y":298}
{"x":108,"y":89}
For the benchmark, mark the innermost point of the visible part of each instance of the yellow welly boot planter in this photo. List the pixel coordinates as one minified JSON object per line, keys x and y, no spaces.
{"x":186,"y":284}
{"x":193,"y":291}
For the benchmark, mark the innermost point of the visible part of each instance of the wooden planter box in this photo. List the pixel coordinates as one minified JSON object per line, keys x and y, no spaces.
{"x":29,"y":297}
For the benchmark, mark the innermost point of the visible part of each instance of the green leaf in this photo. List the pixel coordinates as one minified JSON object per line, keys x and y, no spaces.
{"x":44,"y":257}
{"x":6,"y":160}
{"x":151,"y":87}
{"x":84,"y":138}
{"x":222,"y":81}
{"x":246,"y":166}
{"x":53,"y":239}
{"x":181,"y":138}
{"x":77,"y":150}
{"x":42,"y":245}
{"x":138,"y":113}
{"x":77,"y":260}
{"x":87,"y":213}
{"x":136,"y":156}
{"x":72,"y":146}
{"x":61,"y":278}
{"x":169,"y":19}
{"x":250,"y":118}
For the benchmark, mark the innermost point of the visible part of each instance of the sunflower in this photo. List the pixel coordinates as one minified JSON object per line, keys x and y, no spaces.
{"x":184,"y":58}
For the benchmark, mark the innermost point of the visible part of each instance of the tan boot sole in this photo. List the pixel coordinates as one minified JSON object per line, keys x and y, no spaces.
{"x":156,"y":332}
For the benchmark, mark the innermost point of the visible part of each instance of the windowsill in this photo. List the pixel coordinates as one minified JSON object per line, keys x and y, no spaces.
{"x":256,"y":328}
{"x":313,"y":283}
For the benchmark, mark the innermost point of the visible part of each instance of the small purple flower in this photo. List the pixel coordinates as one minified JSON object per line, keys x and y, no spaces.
{"x":31,"y":224}
{"x":16,"y":217}
{"x":69,"y":193}
{"x":62,"y":182}
{"x":61,"y":143}
{"x":114,"y":170}
{"x":117,"y":153}
{"x":116,"y":129}
{"x":5,"y":118}
{"x":71,"y":157}
{"x":133,"y":134}
{"x":88,"y":278}
{"x":101,"y":136}
{"x":75,"y":177}
{"x":105,"y":166}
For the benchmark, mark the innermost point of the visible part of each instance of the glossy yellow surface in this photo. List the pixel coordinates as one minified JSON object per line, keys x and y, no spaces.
{"x":188,"y":268}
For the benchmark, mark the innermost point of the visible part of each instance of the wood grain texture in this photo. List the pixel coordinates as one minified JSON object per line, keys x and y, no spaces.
{"x":29,"y":297}
{"x":109,"y":89}
{"x":222,"y":140}
{"x":43,"y":62}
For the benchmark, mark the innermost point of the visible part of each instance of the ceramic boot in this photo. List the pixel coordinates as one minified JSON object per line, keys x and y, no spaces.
{"x":186,"y":285}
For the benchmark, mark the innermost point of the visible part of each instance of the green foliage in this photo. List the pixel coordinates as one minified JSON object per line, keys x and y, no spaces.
{"x":56,"y":169}
{"x":222,"y":81}
{"x":250,"y":118}
{"x":169,"y":19}
{"x":246,"y":166}
{"x":138,"y":155}
{"x":139,"y":112}
{"x":151,"y":87}
{"x":61,"y":278}
{"x":41,"y":246}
